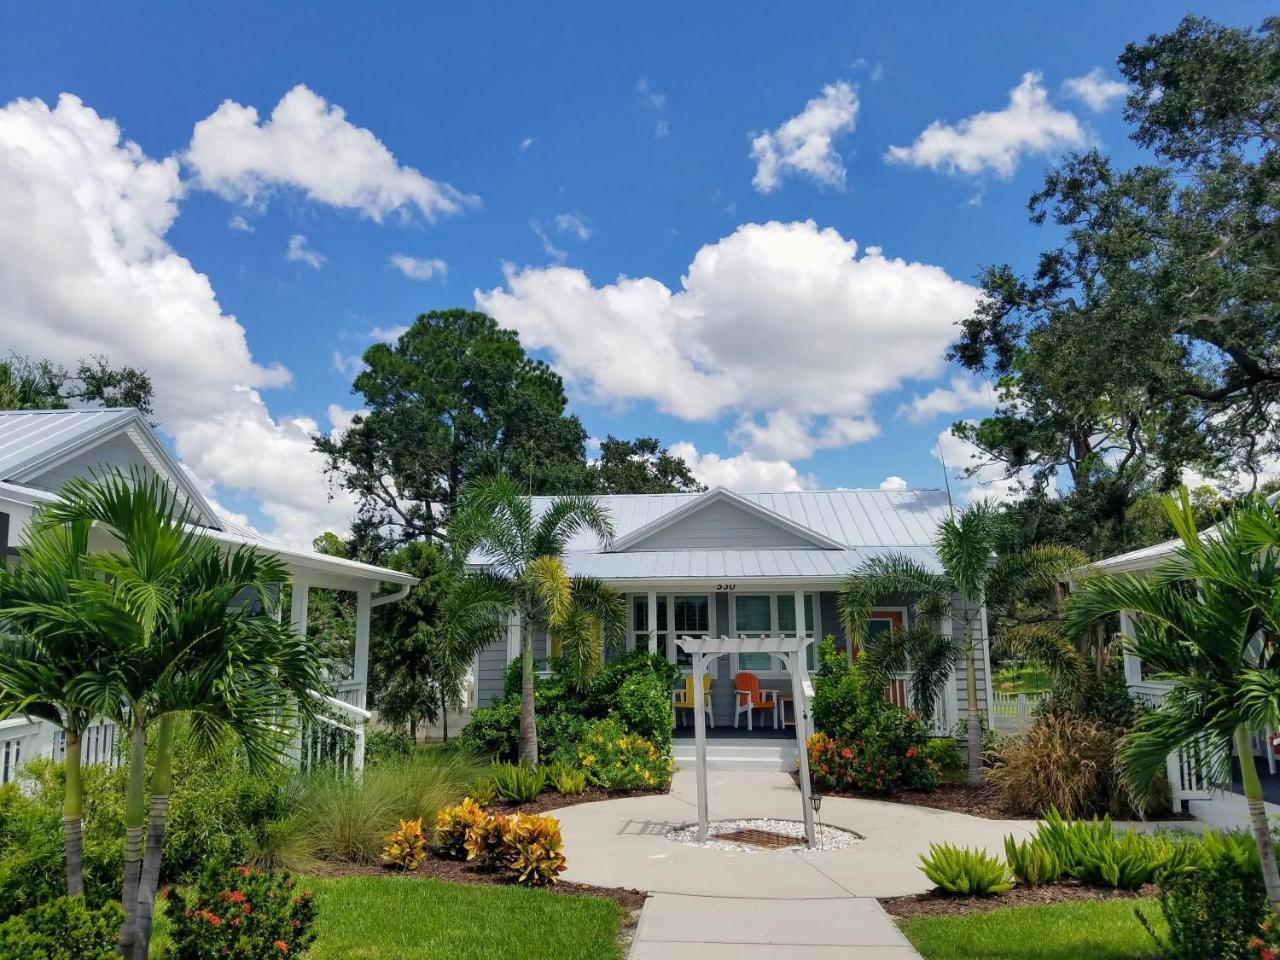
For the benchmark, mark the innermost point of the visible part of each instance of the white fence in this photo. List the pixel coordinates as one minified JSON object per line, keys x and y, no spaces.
{"x":1013,"y":712}
{"x":335,"y":740}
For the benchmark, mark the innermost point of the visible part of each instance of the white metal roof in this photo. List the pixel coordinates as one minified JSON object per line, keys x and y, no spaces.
{"x":31,"y":437}
{"x":848,"y":527}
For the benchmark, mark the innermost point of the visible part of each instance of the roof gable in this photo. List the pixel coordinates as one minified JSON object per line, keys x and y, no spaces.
{"x":46,"y":448}
{"x":722,"y":519}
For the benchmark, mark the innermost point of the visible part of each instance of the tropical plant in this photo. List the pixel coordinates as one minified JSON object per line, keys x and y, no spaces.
{"x":566,"y":778}
{"x":1060,"y":763}
{"x":517,"y":782}
{"x":240,"y":912}
{"x":462,"y":831}
{"x":175,"y":629}
{"x":405,"y":847}
{"x":964,"y":871}
{"x":1033,"y":863}
{"x":967,"y":544}
{"x":617,"y":760}
{"x":530,"y":847}
{"x":526,"y":576}
{"x":482,"y":790}
{"x":1205,"y":621}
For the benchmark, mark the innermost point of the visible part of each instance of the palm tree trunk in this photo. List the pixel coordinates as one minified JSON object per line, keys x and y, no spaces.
{"x":161,"y":784}
{"x":134,"y":820}
{"x":528,"y":722}
{"x":1258,"y":816}
{"x":73,"y":817}
{"x":444,"y":717}
{"x":973,"y":720}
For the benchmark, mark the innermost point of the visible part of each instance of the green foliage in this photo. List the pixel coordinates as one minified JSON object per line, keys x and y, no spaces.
{"x":1093,"y":853}
{"x":618,"y":760}
{"x":344,"y":819}
{"x":241,"y":912}
{"x":1032,"y":862}
{"x":1214,"y":906}
{"x":644,"y":708}
{"x":494,"y":731}
{"x":381,"y":746}
{"x":528,"y":846}
{"x":944,"y":753}
{"x":27,"y":384}
{"x":566,"y":778}
{"x":963,"y":871}
{"x":482,"y":790}
{"x":517,"y":782}
{"x":864,"y":743}
{"x":62,"y":929}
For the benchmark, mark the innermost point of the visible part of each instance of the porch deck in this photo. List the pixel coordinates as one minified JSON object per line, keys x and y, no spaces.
{"x":1270,"y":781}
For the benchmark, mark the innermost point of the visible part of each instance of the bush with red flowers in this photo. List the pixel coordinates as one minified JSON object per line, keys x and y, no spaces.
{"x":241,"y":913}
{"x":1266,"y":945}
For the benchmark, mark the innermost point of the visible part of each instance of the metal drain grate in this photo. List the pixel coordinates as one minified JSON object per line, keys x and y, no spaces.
{"x":761,"y":838}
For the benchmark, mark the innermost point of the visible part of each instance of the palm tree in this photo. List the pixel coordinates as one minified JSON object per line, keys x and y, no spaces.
{"x":178,"y":633}
{"x":1205,"y":621}
{"x":967,"y":545}
{"x":44,"y":669}
{"x":525,"y":574}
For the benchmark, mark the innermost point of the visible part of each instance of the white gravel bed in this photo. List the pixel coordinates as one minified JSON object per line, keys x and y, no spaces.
{"x":825,"y":837}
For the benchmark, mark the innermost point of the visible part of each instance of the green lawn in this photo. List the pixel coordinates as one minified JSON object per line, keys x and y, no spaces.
{"x":401,"y":918}
{"x":1025,"y":678}
{"x":1097,"y":930}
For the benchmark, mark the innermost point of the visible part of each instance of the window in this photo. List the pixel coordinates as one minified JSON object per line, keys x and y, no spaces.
{"x":692,"y":616}
{"x":787,"y":624}
{"x":752,"y":616}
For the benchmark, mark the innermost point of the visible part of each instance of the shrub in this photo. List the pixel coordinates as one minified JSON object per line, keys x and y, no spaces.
{"x":945,"y":754}
{"x":644,"y":707}
{"x":383,"y":745}
{"x":240,"y":912}
{"x":516,"y":782}
{"x":494,"y":731}
{"x":62,"y":929}
{"x":1093,"y":853}
{"x":605,"y":691}
{"x":566,"y":778}
{"x":482,"y":791}
{"x":1266,"y":944}
{"x":617,"y":760}
{"x":462,"y":832}
{"x":964,"y":871}
{"x":1216,"y":906}
{"x":405,"y":847}
{"x":530,"y":847}
{"x":1033,"y":863}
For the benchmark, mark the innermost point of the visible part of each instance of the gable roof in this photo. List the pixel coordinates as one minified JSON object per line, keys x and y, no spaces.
{"x":32,"y":442}
{"x":722,"y":495}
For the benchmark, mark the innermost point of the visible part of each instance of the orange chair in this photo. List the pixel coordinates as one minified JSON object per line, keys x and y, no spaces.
{"x":751,"y":697}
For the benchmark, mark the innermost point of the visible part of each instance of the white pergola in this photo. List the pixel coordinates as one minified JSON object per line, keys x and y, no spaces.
{"x":791,"y":650}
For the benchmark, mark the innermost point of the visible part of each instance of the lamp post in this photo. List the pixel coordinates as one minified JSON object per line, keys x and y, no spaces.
{"x":815,"y":801}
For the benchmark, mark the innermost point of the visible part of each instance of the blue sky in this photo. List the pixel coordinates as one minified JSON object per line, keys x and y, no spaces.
{"x":541,"y":152}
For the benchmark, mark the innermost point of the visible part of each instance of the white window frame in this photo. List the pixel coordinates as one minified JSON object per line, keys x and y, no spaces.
{"x":777,"y":669}
{"x":639,"y":639}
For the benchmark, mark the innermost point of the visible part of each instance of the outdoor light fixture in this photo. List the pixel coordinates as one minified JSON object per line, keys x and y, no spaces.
{"x":815,"y":801}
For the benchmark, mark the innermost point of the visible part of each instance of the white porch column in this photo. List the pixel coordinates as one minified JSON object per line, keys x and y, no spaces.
{"x":653,"y":624}
{"x":1132,"y":665}
{"x":699,"y":738}
{"x":298,"y":607}
{"x":800,"y":703}
{"x":360,"y":663}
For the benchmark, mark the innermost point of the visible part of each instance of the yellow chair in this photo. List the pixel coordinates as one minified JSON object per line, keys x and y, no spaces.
{"x":683,"y":699}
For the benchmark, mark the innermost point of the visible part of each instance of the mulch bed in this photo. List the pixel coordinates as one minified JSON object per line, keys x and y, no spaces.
{"x":549,"y":800}
{"x":942,"y":905}
{"x":981,"y":801}
{"x":460,"y":871}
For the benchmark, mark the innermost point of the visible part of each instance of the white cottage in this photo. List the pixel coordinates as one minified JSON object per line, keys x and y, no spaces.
{"x":40,"y":450}
{"x":728,"y":564}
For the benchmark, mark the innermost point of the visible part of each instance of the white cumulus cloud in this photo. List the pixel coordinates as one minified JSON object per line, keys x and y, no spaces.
{"x":775,"y":317}
{"x":309,"y":144}
{"x":86,"y":268}
{"x":965,"y":393}
{"x":996,"y":140}
{"x":804,"y":145}
{"x":419,"y":268}
{"x":1095,"y":89}
{"x":985,"y":480}
{"x":744,"y":473}
{"x":893,"y":483}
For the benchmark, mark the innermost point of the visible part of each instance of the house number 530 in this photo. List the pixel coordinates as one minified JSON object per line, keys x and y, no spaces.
{"x":726,"y":587}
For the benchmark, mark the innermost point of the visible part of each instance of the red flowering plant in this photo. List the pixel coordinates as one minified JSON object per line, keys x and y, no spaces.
{"x":241,"y":913}
{"x":1266,"y":945}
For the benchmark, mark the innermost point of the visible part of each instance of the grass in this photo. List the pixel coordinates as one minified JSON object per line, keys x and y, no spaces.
{"x":1025,"y":678}
{"x":1099,"y":930}
{"x":402,"y":918}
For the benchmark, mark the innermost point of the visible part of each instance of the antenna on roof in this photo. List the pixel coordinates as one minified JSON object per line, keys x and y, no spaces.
{"x":946,"y":481}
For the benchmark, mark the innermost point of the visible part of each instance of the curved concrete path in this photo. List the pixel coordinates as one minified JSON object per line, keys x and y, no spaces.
{"x":711,"y":903}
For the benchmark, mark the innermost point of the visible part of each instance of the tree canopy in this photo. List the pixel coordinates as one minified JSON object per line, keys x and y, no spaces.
{"x":27,"y":384}
{"x":457,"y":398}
{"x":1145,"y":342}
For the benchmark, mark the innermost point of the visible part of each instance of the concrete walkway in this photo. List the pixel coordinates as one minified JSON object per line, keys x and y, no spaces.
{"x":711,"y":903}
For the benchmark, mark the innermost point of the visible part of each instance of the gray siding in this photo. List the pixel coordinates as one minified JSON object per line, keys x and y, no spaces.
{"x":118,"y":453}
{"x":723,"y":526}
{"x":491,"y":665}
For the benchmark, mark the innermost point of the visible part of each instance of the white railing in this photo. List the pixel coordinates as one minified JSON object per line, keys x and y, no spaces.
{"x":1150,"y":695}
{"x":335,"y":740}
{"x":899,"y":694}
{"x":1013,"y":712}
{"x":1189,"y":766}
{"x":23,"y":738}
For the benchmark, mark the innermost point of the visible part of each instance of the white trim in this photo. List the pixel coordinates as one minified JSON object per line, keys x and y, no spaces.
{"x":776,"y":671}
{"x":718,"y":495}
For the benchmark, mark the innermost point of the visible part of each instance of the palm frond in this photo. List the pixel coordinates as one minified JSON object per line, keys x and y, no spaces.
{"x":564,"y":518}
{"x":894,"y":578}
{"x":549,"y":588}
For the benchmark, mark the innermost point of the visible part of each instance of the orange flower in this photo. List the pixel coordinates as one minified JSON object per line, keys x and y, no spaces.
{"x":281,"y":946}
